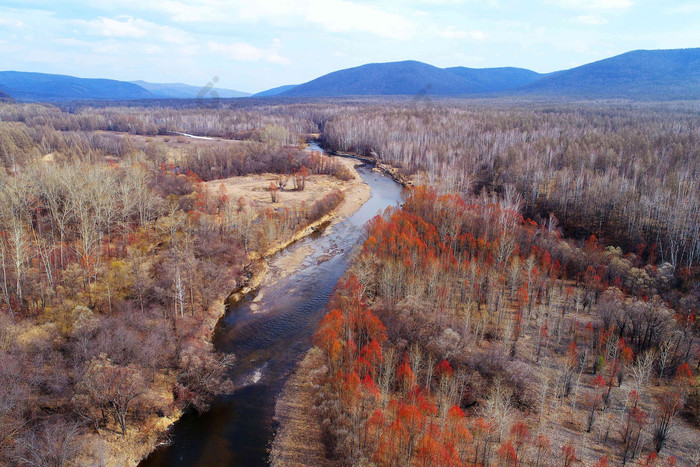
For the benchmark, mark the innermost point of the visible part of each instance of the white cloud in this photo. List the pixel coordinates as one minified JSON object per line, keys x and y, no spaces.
{"x":123,"y":27}
{"x":72,"y":42}
{"x":346,"y":16}
{"x":592,"y":11}
{"x":189,"y":50}
{"x":11,"y":22}
{"x":153,"y":49}
{"x":435,"y":2}
{"x":686,"y":8}
{"x":592,"y":5}
{"x":247,"y":52}
{"x":330,"y":15}
{"x":100,"y":47}
{"x":589,"y":5}
{"x":133,"y":28}
{"x":452,"y":33}
{"x":108,"y":48}
{"x":593,"y":20}
{"x":478,"y":35}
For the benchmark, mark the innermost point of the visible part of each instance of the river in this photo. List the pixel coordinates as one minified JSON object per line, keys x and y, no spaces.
{"x":269,"y":331}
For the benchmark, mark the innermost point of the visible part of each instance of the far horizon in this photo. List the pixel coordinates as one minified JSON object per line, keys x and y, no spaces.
{"x":251,"y":48}
{"x":214,"y":84}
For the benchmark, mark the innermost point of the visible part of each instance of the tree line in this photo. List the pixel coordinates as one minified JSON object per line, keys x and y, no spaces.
{"x":625,"y":174}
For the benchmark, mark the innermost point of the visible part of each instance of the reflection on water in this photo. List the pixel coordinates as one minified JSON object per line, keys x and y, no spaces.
{"x":268,"y":339}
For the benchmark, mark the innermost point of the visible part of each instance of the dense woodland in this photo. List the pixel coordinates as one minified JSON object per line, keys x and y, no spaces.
{"x":535,"y":302}
{"x":111,"y":260}
{"x":468,"y":334}
{"x":628,"y":176}
{"x":491,"y":340}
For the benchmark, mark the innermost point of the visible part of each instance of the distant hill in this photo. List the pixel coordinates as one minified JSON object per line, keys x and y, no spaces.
{"x":410,"y":78}
{"x":5,"y":97}
{"x":274,"y":91}
{"x":496,"y":79}
{"x":185,"y":91}
{"x":25,"y":86}
{"x":640,"y":74}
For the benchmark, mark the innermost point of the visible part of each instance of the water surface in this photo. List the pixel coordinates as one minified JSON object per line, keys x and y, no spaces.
{"x":269,"y":332}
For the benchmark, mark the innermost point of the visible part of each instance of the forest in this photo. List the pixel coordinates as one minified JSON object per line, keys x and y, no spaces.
{"x":114,"y":264}
{"x":533,"y":301}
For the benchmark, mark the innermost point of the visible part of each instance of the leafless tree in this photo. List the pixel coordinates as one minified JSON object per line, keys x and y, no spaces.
{"x":107,"y":388}
{"x":52,"y":443}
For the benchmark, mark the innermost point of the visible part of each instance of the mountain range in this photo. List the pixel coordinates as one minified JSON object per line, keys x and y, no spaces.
{"x":657,"y":74}
{"x":185,"y":91}
{"x":641,"y":74}
{"x":413,"y":78}
{"x":26,"y":86}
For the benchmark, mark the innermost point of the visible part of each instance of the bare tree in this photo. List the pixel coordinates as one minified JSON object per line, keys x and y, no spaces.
{"x":641,"y":370}
{"x":663,"y":357}
{"x":498,"y":406}
{"x":204,"y":374}
{"x":108,"y":388}
{"x":53,"y":443}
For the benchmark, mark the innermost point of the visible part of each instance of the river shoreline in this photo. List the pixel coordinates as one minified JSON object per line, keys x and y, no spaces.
{"x":374,"y":161}
{"x":355,"y":196}
{"x":256,"y":272}
{"x":299,"y":437}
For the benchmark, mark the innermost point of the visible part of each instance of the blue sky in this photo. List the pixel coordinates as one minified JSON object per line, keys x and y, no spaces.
{"x":257,"y":44}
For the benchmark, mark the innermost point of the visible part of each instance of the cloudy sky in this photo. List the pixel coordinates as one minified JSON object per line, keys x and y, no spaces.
{"x":253,"y":45}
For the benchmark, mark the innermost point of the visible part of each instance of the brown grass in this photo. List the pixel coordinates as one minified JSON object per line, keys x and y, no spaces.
{"x":299,"y":441}
{"x":255,"y":190}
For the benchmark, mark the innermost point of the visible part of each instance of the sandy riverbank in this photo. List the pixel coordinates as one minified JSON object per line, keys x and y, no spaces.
{"x":262,"y":268}
{"x":254,"y":190}
{"x":299,"y":441}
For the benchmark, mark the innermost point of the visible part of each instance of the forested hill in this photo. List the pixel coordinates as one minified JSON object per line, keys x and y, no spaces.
{"x":275,"y":91}
{"x":495,"y":79}
{"x":645,"y":74}
{"x":4,"y":96}
{"x":186,"y":91}
{"x":641,"y":74}
{"x":25,"y":86}
{"x":412,"y":78}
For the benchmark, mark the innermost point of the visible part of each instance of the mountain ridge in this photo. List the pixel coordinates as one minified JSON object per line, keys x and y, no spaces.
{"x":274,"y":91}
{"x":408,"y":77}
{"x":669,"y":74}
{"x":186,"y":91}
{"x":498,"y":78}
{"x":30,"y":86}
{"x":638,"y":74}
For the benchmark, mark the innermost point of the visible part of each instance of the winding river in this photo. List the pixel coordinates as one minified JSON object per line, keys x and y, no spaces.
{"x":269,"y":332}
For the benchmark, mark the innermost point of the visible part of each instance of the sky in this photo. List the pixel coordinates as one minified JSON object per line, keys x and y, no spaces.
{"x":258,"y":44}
